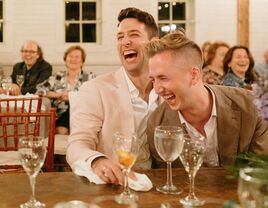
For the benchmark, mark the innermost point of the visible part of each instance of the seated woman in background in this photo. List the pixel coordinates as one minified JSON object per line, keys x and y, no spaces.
{"x":238,"y":66}
{"x":213,"y":71}
{"x":58,"y":86}
{"x":205,"y":47}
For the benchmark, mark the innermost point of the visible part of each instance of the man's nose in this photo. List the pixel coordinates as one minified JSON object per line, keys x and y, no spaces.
{"x":126,"y":41}
{"x":158,"y":88}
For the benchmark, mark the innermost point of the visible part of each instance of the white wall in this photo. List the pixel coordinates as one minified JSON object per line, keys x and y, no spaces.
{"x":42,"y":20}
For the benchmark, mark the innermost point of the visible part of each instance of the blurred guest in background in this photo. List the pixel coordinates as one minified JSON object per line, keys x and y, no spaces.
{"x":34,"y":69}
{"x":205,"y":48}
{"x":58,"y":86}
{"x":262,"y":67}
{"x":213,"y":72}
{"x":238,"y":66}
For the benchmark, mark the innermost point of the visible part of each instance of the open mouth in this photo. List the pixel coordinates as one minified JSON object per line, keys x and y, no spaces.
{"x":128,"y":55}
{"x":170,"y":98}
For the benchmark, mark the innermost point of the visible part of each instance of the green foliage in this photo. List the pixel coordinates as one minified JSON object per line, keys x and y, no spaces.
{"x":248,"y":159}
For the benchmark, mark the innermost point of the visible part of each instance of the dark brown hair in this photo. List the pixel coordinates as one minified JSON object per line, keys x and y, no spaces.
{"x":250,"y":75}
{"x":141,"y":16}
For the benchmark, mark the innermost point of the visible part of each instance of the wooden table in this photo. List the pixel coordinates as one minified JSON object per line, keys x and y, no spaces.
{"x":211,"y":185}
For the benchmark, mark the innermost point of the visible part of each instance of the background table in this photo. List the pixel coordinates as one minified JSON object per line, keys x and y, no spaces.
{"x":211,"y":185}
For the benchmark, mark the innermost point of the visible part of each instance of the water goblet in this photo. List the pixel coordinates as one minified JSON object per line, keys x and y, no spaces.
{"x":20,"y":80}
{"x":192,"y":158}
{"x":7,"y":84}
{"x":32,"y":152}
{"x":125,"y":149}
{"x":168,"y":142}
{"x":253,"y":187}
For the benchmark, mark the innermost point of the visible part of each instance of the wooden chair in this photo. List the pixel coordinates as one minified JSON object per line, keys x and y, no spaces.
{"x":15,"y":125}
{"x":21,"y":104}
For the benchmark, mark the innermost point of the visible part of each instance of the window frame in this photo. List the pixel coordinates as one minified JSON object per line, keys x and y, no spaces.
{"x":80,"y":22}
{"x":2,"y":21}
{"x":189,"y":16}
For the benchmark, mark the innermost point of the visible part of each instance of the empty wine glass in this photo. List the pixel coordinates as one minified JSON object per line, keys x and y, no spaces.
{"x":20,"y":80}
{"x":125,"y":149}
{"x":253,"y":187}
{"x":32,"y":152}
{"x":7,"y":84}
{"x":192,"y":158}
{"x":168,"y":142}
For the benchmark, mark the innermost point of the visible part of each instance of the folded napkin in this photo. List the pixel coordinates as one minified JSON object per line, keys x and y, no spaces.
{"x":143,"y":183}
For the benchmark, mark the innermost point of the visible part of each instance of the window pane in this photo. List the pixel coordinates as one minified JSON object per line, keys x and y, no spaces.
{"x":166,"y":28}
{"x":178,"y":10}
{"x":1,"y":9}
{"x":89,"y":10}
{"x":163,"y":11}
{"x":72,"y":10}
{"x":1,"y":32}
{"x":89,"y":32}
{"x":72,"y":32}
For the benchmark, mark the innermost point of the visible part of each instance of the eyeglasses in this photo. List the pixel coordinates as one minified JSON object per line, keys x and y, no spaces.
{"x":28,"y":51}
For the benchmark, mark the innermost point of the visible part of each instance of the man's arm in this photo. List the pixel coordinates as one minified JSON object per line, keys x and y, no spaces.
{"x":86,"y":120}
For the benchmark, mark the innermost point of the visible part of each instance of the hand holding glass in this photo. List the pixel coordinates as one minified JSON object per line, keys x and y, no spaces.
{"x":20,"y":80}
{"x":192,"y":158}
{"x":125,"y":149}
{"x":32,"y":151}
{"x":168,"y":142}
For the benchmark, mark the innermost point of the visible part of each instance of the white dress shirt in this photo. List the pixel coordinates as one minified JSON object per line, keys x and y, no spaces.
{"x":141,"y":110}
{"x":211,"y":157}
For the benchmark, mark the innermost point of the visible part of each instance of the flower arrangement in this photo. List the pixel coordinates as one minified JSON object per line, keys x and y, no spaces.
{"x":260,"y":91}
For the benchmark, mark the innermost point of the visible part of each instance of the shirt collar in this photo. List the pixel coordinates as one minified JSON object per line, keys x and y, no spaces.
{"x":213,"y":112}
{"x":131,"y":87}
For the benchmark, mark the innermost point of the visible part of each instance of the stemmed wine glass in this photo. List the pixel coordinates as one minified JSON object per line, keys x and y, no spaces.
{"x":32,"y":152}
{"x":125,"y":149}
{"x":168,"y":142}
{"x":7,"y":84}
{"x":192,"y":158}
{"x":20,"y":80}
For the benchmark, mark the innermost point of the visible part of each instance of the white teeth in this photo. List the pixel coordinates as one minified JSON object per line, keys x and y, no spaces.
{"x":129,"y":52}
{"x":167,"y":97}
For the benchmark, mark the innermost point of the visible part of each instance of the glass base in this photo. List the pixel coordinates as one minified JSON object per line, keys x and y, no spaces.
{"x":126,"y":198}
{"x":33,"y":204}
{"x":169,"y":189}
{"x":192,"y":201}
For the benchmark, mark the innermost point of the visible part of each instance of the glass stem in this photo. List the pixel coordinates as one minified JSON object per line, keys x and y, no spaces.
{"x":126,"y":188}
{"x":191,"y":179}
{"x":32,"y":182}
{"x":169,"y":174}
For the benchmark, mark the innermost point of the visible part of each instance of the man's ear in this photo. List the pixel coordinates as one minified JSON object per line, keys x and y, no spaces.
{"x":196,"y":75}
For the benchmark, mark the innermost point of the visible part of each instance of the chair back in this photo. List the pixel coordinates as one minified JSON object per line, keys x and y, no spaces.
{"x":21,"y":104}
{"x":15,"y":125}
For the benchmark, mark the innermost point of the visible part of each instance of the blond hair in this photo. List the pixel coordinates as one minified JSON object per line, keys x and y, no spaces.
{"x":179,"y":45}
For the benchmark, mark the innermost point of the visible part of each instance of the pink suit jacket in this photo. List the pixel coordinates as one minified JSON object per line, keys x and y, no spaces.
{"x":102,"y":107}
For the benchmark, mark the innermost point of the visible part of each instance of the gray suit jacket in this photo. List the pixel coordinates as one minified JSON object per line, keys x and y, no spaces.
{"x":239,"y":127}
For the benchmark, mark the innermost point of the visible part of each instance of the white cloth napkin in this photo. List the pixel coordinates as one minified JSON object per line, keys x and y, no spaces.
{"x":143,"y":183}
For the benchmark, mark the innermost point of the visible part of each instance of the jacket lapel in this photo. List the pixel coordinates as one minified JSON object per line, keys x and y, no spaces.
{"x":124,"y":108}
{"x":228,"y":135}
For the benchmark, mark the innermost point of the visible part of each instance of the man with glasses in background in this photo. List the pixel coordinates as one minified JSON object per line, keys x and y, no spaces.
{"x":34,"y":69}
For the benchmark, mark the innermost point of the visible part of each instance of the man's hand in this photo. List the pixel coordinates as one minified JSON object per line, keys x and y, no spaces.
{"x":107,"y":170}
{"x":15,"y":90}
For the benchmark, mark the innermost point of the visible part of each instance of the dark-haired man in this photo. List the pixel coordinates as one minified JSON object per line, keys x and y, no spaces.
{"x":118,"y":101}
